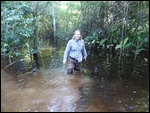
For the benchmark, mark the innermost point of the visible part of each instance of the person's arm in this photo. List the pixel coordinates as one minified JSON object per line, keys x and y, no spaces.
{"x":84,"y":51}
{"x":67,"y":50}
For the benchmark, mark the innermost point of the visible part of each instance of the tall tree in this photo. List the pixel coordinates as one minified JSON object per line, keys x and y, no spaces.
{"x":35,"y":24}
{"x":54,"y":22}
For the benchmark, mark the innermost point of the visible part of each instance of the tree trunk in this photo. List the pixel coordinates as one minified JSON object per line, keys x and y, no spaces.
{"x":36,"y":52}
{"x":54,"y":22}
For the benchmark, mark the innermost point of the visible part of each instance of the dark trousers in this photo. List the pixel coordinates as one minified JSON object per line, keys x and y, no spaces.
{"x":73,"y":64}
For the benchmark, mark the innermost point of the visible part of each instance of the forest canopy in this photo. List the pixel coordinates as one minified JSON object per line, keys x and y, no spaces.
{"x":28,"y":25}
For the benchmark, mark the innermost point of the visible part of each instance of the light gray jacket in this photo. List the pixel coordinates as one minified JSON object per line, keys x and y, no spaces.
{"x":75,"y":49}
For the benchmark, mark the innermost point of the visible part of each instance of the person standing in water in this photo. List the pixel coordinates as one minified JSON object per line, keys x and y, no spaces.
{"x":75,"y":52}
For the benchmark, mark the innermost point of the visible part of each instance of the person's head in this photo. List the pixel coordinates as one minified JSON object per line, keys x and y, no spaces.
{"x":77,"y":35}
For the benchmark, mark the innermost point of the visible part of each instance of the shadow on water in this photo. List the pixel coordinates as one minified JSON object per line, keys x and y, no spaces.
{"x":103,"y":85}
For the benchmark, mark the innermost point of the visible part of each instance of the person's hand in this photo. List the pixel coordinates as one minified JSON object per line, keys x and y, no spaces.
{"x":64,"y":62}
{"x":84,"y":59}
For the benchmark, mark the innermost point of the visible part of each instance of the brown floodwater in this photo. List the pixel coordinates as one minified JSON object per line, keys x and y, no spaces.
{"x":103,"y":85}
{"x":50,"y":90}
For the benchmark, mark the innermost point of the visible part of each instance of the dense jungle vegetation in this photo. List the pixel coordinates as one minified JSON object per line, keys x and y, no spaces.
{"x":122,"y":27}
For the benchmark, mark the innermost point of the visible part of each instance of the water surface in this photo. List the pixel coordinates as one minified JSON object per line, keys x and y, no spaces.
{"x":103,"y":85}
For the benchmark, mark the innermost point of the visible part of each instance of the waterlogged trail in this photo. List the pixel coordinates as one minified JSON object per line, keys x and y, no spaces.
{"x":103,"y":85}
{"x":49,"y":91}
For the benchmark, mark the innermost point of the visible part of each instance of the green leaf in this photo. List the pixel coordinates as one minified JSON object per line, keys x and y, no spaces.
{"x":129,"y":44}
{"x":141,"y":49}
{"x":146,"y":39}
{"x":118,"y":46}
{"x":125,"y":41}
{"x":93,"y":41}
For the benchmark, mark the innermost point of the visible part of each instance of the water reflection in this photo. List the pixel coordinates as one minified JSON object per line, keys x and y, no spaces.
{"x":48,"y":91}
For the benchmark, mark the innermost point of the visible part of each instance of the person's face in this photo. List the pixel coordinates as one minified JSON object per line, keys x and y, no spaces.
{"x":77,"y":35}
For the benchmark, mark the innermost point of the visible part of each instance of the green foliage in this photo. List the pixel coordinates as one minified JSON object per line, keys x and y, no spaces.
{"x":124,"y":44}
{"x":139,"y":45}
{"x":102,"y":42}
{"x":16,"y":26}
{"x":95,"y":41}
{"x":116,"y":21}
{"x":92,"y":39}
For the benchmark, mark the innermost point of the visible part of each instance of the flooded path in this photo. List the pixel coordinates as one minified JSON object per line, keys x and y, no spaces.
{"x":50,"y":91}
{"x":103,"y":85}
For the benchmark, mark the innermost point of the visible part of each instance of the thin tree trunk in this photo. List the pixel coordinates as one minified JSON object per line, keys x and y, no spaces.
{"x":54,"y":22}
{"x":36,"y":52}
{"x":123,"y":29}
